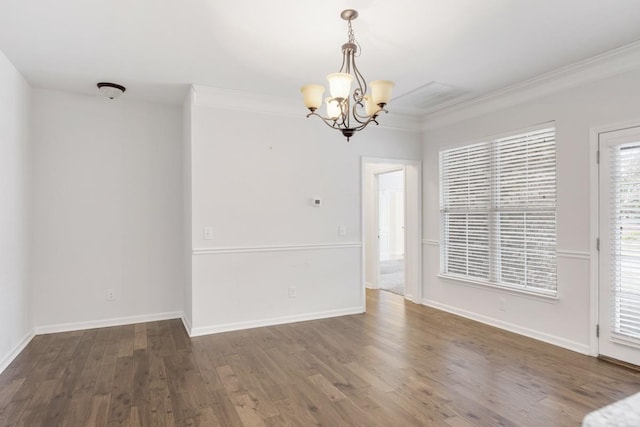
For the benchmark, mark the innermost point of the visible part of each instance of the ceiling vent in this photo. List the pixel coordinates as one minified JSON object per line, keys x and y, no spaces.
{"x":429,"y":98}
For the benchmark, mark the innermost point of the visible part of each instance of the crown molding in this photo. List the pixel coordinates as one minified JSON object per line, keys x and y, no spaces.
{"x":212,"y":97}
{"x":227,"y":99}
{"x":604,"y":65}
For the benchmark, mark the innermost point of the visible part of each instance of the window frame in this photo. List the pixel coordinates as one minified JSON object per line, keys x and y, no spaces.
{"x":492,"y":212}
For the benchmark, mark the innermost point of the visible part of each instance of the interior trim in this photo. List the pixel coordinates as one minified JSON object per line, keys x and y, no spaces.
{"x":303,"y":317}
{"x":275,"y":248}
{"x":212,"y":97}
{"x":573,"y":254}
{"x":16,"y":350}
{"x":604,"y":65}
{"x":431,"y":242}
{"x":103,"y":323}
{"x":531,"y":333}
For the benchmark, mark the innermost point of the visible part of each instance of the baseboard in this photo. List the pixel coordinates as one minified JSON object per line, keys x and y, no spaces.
{"x":186,"y":324}
{"x":105,"y":323}
{"x":16,"y":350}
{"x":227,"y":327}
{"x":540,"y":336}
{"x":370,"y":286}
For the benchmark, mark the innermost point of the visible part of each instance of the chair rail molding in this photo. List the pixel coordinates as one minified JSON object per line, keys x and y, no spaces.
{"x":275,"y":248}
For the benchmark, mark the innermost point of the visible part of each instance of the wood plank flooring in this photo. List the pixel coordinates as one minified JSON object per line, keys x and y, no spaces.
{"x":400,"y":364}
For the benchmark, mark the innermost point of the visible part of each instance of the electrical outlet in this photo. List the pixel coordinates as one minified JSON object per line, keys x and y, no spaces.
{"x":292,"y":291}
{"x":503,"y":303}
{"x":342,"y":230}
{"x":111,"y":294}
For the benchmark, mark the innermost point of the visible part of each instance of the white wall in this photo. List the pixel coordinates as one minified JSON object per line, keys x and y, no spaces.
{"x":566,"y":321}
{"x":107,"y":210}
{"x":15,"y":312}
{"x":253,"y":177}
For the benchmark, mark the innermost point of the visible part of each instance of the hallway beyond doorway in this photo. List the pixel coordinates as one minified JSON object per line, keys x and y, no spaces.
{"x":392,"y":276}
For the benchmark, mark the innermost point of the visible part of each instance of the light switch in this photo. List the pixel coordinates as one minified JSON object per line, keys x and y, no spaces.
{"x":208,"y":233}
{"x":342,"y":230}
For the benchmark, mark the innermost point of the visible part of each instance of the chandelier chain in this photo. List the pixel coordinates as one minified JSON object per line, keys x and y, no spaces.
{"x":352,"y":39}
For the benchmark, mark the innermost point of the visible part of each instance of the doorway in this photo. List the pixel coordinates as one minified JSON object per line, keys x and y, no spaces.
{"x":619,"y":242}
{"x":399,"y":240}
{"x":391,"y":230}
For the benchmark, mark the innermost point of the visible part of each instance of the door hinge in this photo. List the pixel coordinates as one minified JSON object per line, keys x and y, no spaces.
{"x":598,"y":157}
{"x":597,"y":243}
{"x":598,"y":331}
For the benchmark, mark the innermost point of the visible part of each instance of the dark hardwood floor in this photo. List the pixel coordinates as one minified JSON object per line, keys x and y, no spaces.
{"x":400,"y":364}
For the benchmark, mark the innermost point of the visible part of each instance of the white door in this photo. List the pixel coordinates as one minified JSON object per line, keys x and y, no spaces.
{"x":619,"y":230}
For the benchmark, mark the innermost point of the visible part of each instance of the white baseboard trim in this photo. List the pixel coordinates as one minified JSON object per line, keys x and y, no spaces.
{"x":540,"y":336}
{"x":105,"y":323}
{"x":186,"y":324}
{"x":6,"y":361}
{"x":228,"y":327}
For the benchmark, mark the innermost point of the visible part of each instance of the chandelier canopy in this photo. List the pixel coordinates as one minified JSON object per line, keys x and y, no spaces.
{"x":348,"y":111}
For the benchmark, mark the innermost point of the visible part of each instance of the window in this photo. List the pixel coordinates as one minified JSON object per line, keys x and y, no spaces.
{"x":498,"y":212}
{"x":625,"y":234}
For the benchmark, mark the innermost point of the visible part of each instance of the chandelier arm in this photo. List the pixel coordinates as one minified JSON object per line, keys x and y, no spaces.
{"x":359,"y":118}
{"x":333,"y":124}
{"x":370,"y":118}
{"x":344,"y":62}
{"x":348,"y":55}
{"x":365,"y":124}
{"x":328,"y":121}
{"x":344,"y":110}
{"x":357,"y":97}
{"x":362,"y":83}
{"x":359,"y":93}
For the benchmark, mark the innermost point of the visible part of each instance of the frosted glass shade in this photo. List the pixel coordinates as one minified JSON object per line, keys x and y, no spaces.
{"x":370,"y":107}
{"x":340,"y":85}
{"x":333,"y":108}
{"x":381,"y":91}
{"x":312,"y":96}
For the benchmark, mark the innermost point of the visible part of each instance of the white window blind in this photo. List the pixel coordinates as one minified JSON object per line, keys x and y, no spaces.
{"x":498,"y":211}
{"x":625,"y":232}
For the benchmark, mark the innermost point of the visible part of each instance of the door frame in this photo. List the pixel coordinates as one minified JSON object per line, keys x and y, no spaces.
{"x":413,"y":224}
{"x":594,"y":196}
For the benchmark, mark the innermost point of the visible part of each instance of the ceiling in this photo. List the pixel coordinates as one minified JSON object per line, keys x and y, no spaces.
{"x":439,"y":52}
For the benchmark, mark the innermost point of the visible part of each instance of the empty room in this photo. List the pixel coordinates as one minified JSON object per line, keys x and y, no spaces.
{"x":250,"y":213}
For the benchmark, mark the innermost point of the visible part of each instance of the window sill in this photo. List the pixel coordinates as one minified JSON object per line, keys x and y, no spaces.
{"x":503,"y":289}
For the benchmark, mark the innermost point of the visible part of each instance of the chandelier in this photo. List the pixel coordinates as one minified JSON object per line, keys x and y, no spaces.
{"x":346,"y":111}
